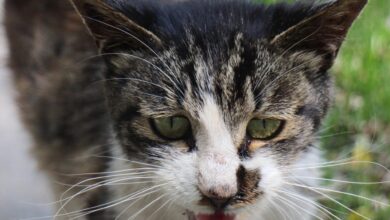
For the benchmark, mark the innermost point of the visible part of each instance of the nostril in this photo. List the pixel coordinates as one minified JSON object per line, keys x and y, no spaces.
{"x":217,"y":197}
{"x":219,"y":203}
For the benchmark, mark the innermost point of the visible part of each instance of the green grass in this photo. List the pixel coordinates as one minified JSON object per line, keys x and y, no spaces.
{"x":358,"y":126}
{"x":362,"y":110}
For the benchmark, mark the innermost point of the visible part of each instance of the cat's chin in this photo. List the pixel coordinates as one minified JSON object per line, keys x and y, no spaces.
{"x":214,"y":216}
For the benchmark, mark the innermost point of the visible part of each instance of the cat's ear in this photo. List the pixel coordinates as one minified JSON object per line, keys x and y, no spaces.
{"x":322,"y":32}
{"x":110,"y":27}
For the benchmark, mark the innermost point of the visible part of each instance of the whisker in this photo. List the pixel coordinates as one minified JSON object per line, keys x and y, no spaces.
{"x":137,"y":195}
{"x":342,"y":181}
{"x":339,"y":192}
{"x":89,"y":188}
{"x":147,"y":206}
{"x":133,"y":203}
{"x":108,"y":172}
{"x":287,"y":201}
{"x":334,"y":135}
{"x":127,"y":160}
{"x":107,"y":205}
{"x":162,"y":206}
{"x":326,"y":128}
{"x":280,"y":210}
{"x":131,"y":196}
{"x":114,"y":184}
{"x":346,"y":163}
{"x":323,"y":209}
{"x":321,"y":163}
{"x":333,"y":200}
{"x":106,"y":180}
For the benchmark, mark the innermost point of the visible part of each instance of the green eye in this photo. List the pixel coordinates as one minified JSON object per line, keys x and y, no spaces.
{"x":264,"y":129}
{"x":173,"y":128}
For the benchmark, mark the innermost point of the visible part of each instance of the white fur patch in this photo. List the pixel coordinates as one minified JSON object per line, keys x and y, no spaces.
{"x":280,"y":199}
{"x":218,"y":160}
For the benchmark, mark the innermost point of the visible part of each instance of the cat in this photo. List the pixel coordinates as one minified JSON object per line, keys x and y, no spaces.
{"x":197,"y":109}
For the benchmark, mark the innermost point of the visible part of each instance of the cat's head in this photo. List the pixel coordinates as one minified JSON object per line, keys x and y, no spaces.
{"x":221,"y":98}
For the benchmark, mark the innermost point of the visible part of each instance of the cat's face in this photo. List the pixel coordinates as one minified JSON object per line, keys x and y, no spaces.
{"x":225,"y":118}
{"x":225,"y":124}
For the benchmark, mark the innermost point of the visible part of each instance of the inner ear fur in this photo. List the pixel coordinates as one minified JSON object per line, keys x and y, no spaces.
{"x":109,"y":26}
{"x":322,"y":32}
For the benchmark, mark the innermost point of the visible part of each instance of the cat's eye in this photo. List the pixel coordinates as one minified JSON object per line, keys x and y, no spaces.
{"x":264,"y":129}
{"x":172,"y":128}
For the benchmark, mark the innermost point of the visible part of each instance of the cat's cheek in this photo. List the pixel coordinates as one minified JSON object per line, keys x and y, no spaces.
{"x":307,"y":168}
{"x":271,"y":176}
{"x":179,"y":172}
{"x":174,"y":178}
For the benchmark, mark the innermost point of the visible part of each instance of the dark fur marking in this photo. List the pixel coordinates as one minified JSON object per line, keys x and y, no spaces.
{"x":247,"y":182}
{"x":191,"y":142}
{"x":284,"y":91}
{"x":189,"y":69}
{"x":133,"y":142}
{"x":128,"y":115}
{"x":244,"y":70}
{"x":99,"y":198}
{"x":243,"y":150}
{"x":312,"y":113}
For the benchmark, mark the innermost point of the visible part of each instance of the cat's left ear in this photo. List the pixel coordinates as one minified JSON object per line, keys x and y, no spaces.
{"x":110,"y":27}
{"x":323,"y":32}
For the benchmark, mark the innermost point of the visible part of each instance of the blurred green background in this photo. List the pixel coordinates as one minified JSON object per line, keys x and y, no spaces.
{"x":358,"y":126}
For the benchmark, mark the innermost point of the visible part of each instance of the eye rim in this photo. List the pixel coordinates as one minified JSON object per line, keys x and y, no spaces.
{"x":157,"y":131}
{"x":274,"y":135}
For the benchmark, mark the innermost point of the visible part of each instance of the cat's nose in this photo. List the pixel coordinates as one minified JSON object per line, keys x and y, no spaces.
{"x":217,"y":179}
{"x":218,"y":197}
{"x":220,"y":204}
{"x":221,"y":192}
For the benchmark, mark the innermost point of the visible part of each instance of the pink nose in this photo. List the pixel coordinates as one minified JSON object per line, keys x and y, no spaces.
{"x":218,"y":192}
{"x":218,"y":197}
{"x":217,"y":178}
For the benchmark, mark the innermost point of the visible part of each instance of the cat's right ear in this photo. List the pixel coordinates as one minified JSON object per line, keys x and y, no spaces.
{"x":111,"y":28}
{"x":323,"y":32}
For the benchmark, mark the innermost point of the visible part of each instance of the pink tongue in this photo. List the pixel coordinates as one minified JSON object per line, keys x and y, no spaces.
{"x":215,"y":216}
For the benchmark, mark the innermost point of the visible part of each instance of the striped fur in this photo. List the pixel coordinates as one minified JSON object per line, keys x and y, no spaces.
{"x":218,"y":63}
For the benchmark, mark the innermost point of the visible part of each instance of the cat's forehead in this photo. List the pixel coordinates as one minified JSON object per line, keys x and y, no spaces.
{"x":273,"y":57}
{"x":241,"y":75}
{"x":223,"y":70}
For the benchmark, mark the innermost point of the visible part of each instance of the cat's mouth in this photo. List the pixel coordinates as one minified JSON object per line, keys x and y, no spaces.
{"x":215,"y":216}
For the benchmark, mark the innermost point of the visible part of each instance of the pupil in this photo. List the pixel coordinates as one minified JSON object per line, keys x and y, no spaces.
{"x":171,"y":122}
